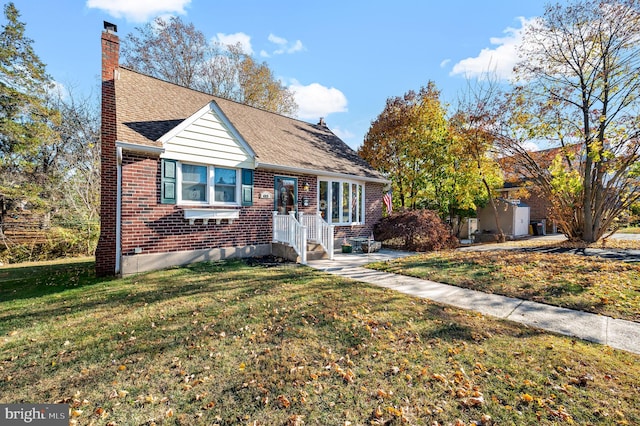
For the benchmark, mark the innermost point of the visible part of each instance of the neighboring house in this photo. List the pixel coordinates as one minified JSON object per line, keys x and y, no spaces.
{"x":519,"y":193}
{"x":187,"y":177}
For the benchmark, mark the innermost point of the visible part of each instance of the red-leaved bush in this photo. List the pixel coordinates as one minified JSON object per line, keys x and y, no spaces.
{"x":414,"y":230}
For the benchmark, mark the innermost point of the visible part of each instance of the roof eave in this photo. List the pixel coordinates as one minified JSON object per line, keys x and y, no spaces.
{"x":279,"y":167}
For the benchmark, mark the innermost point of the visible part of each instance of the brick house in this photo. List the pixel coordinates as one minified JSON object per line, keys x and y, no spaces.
{"x":520,"y":192}
{"x":187,"y":177}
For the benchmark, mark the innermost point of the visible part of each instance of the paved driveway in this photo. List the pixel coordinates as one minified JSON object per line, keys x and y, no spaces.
{"x":626,"y":255}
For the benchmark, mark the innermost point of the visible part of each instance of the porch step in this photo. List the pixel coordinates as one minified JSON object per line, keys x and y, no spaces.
{"x":315,"y":252}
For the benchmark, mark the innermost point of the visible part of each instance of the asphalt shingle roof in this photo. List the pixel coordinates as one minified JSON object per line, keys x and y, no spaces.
{"x":147,"y":108}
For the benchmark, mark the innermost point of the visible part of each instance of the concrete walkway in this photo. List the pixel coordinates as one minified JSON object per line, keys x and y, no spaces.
{"x":619,"y":334}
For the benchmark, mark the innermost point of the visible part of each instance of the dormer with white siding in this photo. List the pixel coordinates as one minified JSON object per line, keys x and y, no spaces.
{"x":207,"y":137}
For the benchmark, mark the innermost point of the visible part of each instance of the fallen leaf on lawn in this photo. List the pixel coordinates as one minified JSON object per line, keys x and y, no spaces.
{"x":394,"y":411}
{"x":348,"y":376}
{"x":295,"y":420}
{"x":284,"y":401}
{"x":582,"y":380}
{"x":485,"y":419}
{"x":439,"y":377}
{"x":377,"y":413}
{"x":474,"y":401}
{"x":382,"y":394}
{"x":526,"y":398}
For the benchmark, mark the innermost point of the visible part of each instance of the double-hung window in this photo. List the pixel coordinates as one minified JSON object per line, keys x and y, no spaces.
{"x":194,"y":183}
{"x":225,"y":185}
{"x":341,"y":202}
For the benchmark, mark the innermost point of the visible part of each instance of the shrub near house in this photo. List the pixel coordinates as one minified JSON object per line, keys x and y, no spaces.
{"x":415,"y":230}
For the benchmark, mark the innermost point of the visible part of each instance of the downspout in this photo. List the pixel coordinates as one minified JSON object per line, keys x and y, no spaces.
{"x":118,"y":209}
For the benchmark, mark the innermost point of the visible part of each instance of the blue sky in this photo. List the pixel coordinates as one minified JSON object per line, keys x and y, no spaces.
{"x":342,"y":58}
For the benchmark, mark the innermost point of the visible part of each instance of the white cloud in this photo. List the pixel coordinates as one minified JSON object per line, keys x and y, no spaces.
{"x":139,"y":10}
{"x":498,"y":61}
{"x":531,"y":146}
{"x":233,"y":39}
{"x":297,"y":47}
{"x":315,"y":100}
{"x":342,"y":134}
{"x":58,"y":90}
{"x":284,"y":46}
{"x":264,"y":54}
{"x":445,"y":63}
{"x":277,"y":40}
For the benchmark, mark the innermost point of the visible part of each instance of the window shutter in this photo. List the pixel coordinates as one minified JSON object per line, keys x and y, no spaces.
{"x":168,"y":182}
{"x":247,"y":187}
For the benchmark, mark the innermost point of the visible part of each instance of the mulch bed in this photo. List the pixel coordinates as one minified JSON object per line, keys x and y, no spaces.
{"x":269,"y":261}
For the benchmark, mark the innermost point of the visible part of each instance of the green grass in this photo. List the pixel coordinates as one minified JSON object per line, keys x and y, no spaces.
{"x":585,"y":283}
{"x":33,"y":279}
{"x":225,"y":343}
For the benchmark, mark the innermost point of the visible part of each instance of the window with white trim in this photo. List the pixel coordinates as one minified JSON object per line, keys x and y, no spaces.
{"x":207,"y":185}
{"x":341,"y":202}
{"x":193,"y":186}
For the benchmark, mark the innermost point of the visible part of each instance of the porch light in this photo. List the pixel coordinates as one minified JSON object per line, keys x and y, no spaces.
{"x":305,"y":186}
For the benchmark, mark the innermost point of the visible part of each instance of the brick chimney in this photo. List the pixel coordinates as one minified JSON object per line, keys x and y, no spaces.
{"x":106,"y":251}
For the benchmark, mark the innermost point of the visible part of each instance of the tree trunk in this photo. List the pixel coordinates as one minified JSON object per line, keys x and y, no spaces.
{"x":501,"y":238}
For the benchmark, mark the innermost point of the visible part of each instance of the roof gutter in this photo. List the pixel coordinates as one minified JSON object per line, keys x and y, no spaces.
{"x":134,"y":147}
{"x":118,"y":210}
{"x":279,"y":167}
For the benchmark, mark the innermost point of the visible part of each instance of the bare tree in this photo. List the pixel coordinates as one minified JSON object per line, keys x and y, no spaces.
{"x":579,"y":90}
{"x":474,"y":123}
{"x":168,"y":49}
{"x":78,"y":166}
{"x":180,"y":53}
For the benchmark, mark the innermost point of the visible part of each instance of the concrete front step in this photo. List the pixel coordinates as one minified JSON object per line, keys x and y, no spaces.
{"x":316,"y":252}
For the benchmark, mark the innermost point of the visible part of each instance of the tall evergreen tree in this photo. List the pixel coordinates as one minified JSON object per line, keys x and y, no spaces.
{"x":27,"y":151}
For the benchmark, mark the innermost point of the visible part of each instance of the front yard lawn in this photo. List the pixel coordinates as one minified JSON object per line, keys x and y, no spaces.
{"x":590,"y":284}
{"x":226,"y":343}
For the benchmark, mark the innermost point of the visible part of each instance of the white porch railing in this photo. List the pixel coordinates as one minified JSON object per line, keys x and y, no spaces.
{"x":319,"y":231}
{"x":287,"y":230}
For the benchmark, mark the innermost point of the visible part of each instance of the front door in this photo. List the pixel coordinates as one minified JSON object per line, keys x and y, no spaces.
{"x":286,"y":194}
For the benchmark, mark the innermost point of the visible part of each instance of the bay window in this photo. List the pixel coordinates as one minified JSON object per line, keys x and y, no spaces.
{"x":341,"y":202}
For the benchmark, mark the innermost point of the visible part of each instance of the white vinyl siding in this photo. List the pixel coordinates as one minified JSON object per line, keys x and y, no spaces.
{"x":207,"y":140}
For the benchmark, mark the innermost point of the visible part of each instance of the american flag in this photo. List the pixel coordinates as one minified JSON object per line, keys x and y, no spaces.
{"x":386,"y":199}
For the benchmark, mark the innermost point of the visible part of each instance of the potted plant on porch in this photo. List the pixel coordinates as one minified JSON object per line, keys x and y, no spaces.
{"x":346,"y":246}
